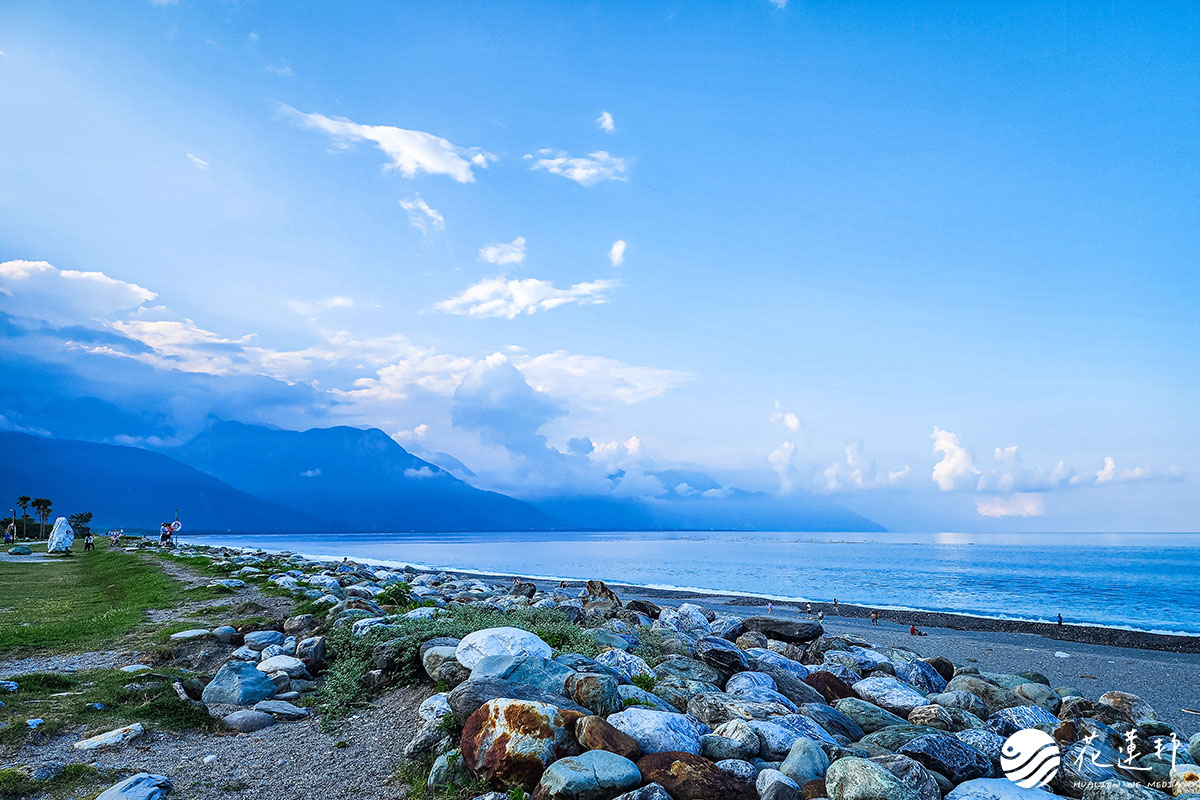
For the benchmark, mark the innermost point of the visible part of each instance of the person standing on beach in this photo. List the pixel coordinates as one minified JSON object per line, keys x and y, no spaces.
{"x":835,"y":605}
{"x":1060,"y":620}
{"x":770,"y":607}
{"x":808,"y":610}
{"x":820,"y":616}
{"x":874,"y":617}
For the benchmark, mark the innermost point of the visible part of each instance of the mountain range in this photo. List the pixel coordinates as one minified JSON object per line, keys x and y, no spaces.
{"x":235,"y":476}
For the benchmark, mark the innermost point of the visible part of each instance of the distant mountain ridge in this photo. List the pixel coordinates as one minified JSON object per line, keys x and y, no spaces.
{"x":135,"y":488}
{"x":363,"y":478}
{"x":253,"y":478}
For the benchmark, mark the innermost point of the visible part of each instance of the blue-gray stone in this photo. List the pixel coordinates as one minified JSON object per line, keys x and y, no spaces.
{"x":659,"y":731}
{"x":1008,"y":721}
{"x":142,"y":786}
{"x":238,"y":683}
{"x":833,"y":721}
{"x":806,"y":761}
{"x":543,"y":673}
{"x":259,"y":640}
{"x":951,"y":757}
{"x":594,"y":775}
{"x":919,"y":674}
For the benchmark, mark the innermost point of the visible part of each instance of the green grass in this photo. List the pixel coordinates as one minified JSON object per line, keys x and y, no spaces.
{"x":84,"y":601}
{"x":350,"y":656}
{"x":69,"y":782}
{"x":65,"y":701}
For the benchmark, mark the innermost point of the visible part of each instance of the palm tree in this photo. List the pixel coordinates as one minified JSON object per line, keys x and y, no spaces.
{"x":23,"y":501}
{"x":42,"y":506}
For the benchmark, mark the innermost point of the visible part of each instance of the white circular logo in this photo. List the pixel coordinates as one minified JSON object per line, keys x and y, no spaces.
{"x":1030,"y":758}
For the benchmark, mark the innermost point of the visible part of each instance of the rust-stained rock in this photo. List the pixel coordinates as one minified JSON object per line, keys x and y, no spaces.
{"x":595,"y":733}
{"x":686,"y":776}
{"x":511,"y":741}
{"x":600,"y":589}
{"x":831,"y":687}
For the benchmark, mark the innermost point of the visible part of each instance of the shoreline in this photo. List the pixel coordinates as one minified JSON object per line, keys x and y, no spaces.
{"x":1070,"y":632}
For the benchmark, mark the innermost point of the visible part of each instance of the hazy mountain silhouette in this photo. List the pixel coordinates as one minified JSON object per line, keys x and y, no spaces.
{"x":135,"y":488}
{"x":362,"y":478}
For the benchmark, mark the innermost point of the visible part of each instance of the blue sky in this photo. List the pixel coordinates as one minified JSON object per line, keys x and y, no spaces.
{"x":868,"y":248}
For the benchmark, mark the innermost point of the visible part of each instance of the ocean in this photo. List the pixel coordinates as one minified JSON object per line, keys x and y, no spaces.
{"x":1142,"y":581}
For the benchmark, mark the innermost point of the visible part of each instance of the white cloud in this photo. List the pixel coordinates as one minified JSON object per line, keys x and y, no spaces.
{"x":510,"y":298}
{"x":779,"y":3}
{"x":501,"y":254}
{"x":786,"y":418}
{"x":199,"y":162}
{"x":638,"y":484}
{"x":614,"y":452}
{"x":309,"y":308}
{"x":423,"y":472}
{"x":616,"y":253}
{"x":419,"y":432}
{"x":596,"y":381}
{"x":1010,"y":475}
{"x":1109,"y":472}
{"x":1017,"y":505}
{"x":605,"y":122}
{"x":858,"y":472}
{"x":585,"y":170}
{"x":281,"y":69}
{"x":422,"y":216}
{"x":780,"y":460}
{"x":409,"y":152}
{"x":955,"y":469}
{"x":60,"y":295}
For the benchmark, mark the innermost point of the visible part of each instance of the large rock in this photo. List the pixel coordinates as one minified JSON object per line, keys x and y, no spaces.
{"x":890,"y":694}
{"x":238,"y":683}
{"x":859,"y":779}
{"x":597,"y":693}
{"x":795,"y":631}
{"x":1129,"y":704}
{"x":679,"y":691}
{"x":687,"y":669}
{"x":293,"y":666}
{"x":1008,"y":721}
{"x":625,"y":664}
{"x":686,"y":776}
{"x":246,"y":720}
{"x":515,"y":642}
{"x":261,"y":640}
{"x":993,"y":696}
{"x":466,"y":698}
{"x":995,"y":789}
{"x":868,"y":716}
{"x":833,"y":721}
{"x":595,"y":733}
{"x":511,"y":742}
{"x":964,"y":701}
{"x":1039,"y":695}
{"x":830,"y":686}
{"x":723,"y":656}
{"x":984,"y":741}
{"x":895,"y":737}
{"x":806,"y":761}
{"x":919,"y":674}
{"x":542,"y":673}
{"x":659,"y":731}
{"x":948,"y":755}
{"x":911,"y":773}
{"x":61,"y":537}
{"x":713,"y":708}
{"x":594,"y":775}
{"x":651,"y":791}
{"x":113,"y":738}
{"x":142,"y":786}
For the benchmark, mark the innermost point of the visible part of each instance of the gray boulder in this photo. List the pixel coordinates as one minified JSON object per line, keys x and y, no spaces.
{"x":142,"y":786}
{"x":594,"y":775}
{"x":246,"y":720}
{"x":793,"y":631}
{"x":806,"y":761}
{"x":651,"y":791}
{"x":659,"y":731}
{"x":949,"y":756}
{"x":890,"y":694}
{"x":860,"y":779}
{"x":723,"y":656}
{"x":1008,"y":721}
{"x":238,"y":683}
{"x":868,"y":716}
{"x":995,"y":789}
{"x":912,"y":774}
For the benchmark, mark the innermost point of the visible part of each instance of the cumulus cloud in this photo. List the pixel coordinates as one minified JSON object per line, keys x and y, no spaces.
{"x":409,"y":152}
{"x":1017,"y":505}
{"x":310,"y":308}
{"x":859,"y":472}
{"x":585,"y":170}
{"x":638,"y":485}
{"x":423,"y":216}
{"x":510,"y":298}
{"x":605,"y":122}
{"x":199,"y":163}
{"x":502,"y":254}
{"x":598,"y":381}
{"x":956,"y":469}
{"x":1109,"y":473}
{"x":780,"y":460}
{"x":616,"y":253}
{"x":786,"y":418}
{"x":779,"y":3}
{"x":495,"y":401}
{"x":1011,"y":475}
{"x":67,"y":294}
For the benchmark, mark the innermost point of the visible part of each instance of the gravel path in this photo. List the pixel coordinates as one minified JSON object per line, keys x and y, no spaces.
{"x":287,"y":761}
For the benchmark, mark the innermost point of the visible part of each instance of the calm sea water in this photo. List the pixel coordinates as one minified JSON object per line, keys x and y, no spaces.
{"x":1141,"y":581}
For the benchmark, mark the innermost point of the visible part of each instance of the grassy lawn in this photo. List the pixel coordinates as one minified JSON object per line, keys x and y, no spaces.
{"x":80,"y":603}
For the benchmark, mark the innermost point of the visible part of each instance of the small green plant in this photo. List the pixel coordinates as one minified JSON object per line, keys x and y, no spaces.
{"x":397,"y":594}
{"x":643,"y":681}
{"x":447,"y":724}
{"x":517,"y":794}
{"x":633,"y":701}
